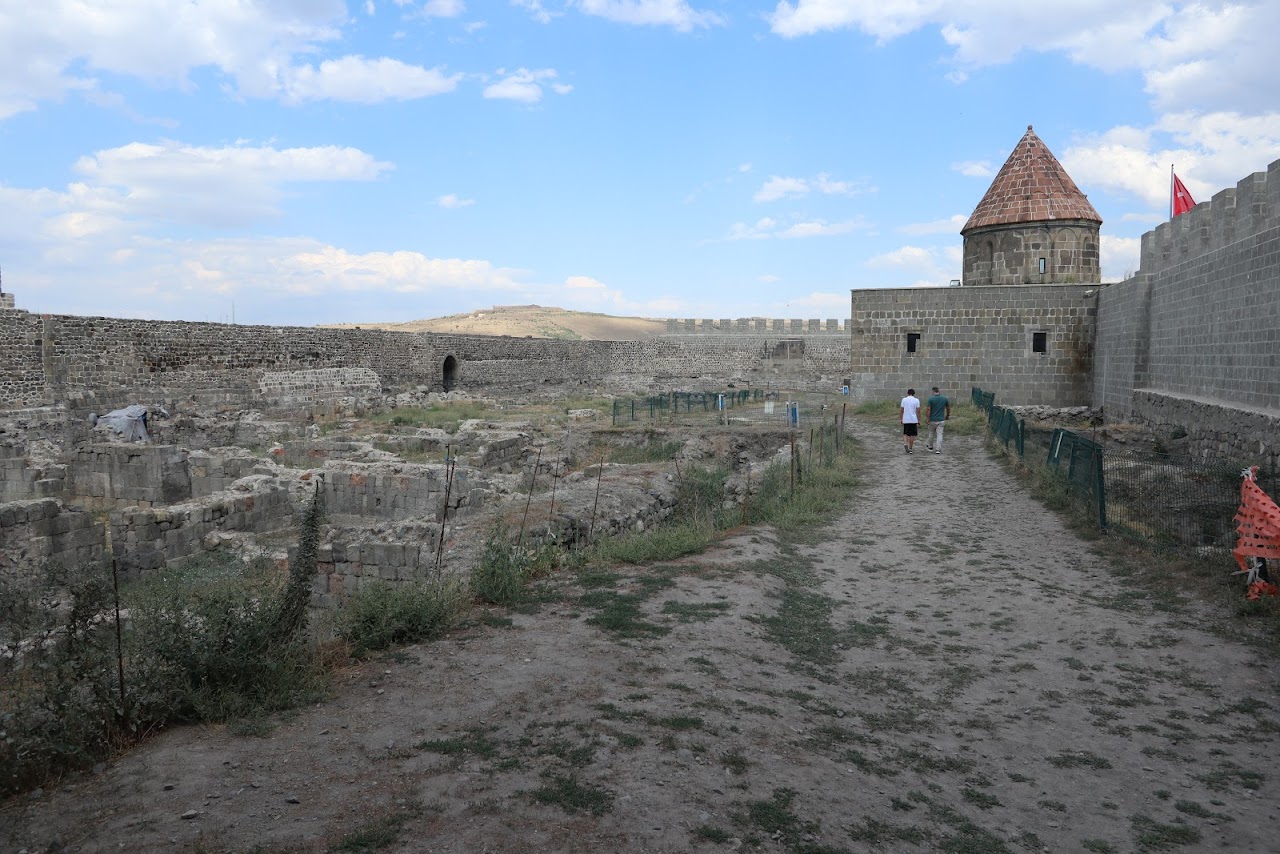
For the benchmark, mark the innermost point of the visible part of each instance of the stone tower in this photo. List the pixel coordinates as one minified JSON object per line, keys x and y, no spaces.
{"x":1034,"y":226}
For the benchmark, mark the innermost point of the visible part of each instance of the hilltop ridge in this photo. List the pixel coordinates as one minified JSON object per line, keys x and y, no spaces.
{"x":528,"y":321}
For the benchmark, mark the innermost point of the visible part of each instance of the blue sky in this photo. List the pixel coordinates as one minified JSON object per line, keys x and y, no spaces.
{"x":318,"y":161}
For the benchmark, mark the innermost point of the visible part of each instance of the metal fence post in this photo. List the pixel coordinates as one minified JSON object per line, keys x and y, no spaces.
{"x":1100,"y":488}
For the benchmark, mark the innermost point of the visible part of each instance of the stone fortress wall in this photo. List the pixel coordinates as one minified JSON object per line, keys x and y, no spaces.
{"x":1192,"y":341}
{"x":1029,"y":343}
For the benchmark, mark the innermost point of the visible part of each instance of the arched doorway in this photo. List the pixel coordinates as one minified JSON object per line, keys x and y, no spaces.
{"x":450,"y":373}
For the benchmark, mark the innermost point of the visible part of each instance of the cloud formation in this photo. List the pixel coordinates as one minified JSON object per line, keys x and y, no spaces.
{"x":525,"y":85}
{"x":54,"y":48}
{"x":1212,"y":54}
{"x":677,"y":14}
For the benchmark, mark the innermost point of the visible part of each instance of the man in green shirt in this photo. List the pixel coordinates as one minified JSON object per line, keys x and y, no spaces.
{"x":939,"y":409}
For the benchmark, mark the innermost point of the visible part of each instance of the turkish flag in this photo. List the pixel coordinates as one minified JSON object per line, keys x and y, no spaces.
{"x":1182,"y":201}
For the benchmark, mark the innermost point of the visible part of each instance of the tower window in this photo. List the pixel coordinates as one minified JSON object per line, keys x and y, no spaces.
{"x":1039,"y":342}
{"x":913,"y":342}
{"x":1042,"y":266}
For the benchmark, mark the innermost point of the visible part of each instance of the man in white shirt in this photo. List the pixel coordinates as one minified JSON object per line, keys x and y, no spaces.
{"x":910,"y":420}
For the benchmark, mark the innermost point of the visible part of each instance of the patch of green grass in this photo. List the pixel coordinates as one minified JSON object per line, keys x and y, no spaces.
{"x":381,"y":615}
{"x":1099,"y":846}
{"x":1079,"y":759}
{"x":1228,"y":774}
{"x":657,"y":544}
{"x":650,"y":452}
{"x":775,"y":816}
{"x":620,"y":614}
{"x":707,"y":833}
{"x":1151,"y":835}
{"x":803,"y":625}
{"x":571,"y":795}
{"x":980,"y":799}
{"x":380,"y":832}
{"x":968,"y":837}
{"x":443,"y":416}
{"x":474,"y":741}
{"x":876,"y":832}
{"x":1200,"y":811}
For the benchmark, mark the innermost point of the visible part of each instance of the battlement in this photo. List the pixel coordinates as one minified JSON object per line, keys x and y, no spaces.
{"x":755,"y":326}
{"x":1232,"y":215}
{"x":6,"y":302}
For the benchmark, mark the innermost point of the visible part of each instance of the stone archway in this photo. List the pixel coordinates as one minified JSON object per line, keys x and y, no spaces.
{"x":450,"y":376}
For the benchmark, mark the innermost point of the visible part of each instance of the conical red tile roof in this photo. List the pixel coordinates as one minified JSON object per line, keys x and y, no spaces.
{"x":1032,"y":186}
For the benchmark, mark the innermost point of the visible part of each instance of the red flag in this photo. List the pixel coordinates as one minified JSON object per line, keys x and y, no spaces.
{"x":1182,"y":201}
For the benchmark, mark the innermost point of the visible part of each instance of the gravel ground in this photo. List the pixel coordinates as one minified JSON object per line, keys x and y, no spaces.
{"x":946,"y":667}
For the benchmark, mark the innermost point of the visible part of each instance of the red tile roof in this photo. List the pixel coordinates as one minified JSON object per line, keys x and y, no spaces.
{"x":1032,"y":186}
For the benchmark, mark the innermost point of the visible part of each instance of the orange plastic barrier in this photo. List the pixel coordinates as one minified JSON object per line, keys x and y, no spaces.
{"x":1257,"y":524}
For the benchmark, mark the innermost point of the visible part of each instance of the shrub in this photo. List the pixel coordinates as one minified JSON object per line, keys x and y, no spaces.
{"x":59,"y":694}
{"x":207,"y":643}
{"x":499,"y":576}
{"x":382,"y":614}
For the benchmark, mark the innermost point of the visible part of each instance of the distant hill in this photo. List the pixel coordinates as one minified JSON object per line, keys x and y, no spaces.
{"x":529,"y":320}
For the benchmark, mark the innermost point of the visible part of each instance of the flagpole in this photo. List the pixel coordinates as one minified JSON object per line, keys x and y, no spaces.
{"x":1170,"y":192}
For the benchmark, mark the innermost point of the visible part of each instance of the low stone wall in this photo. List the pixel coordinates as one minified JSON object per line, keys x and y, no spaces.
{"x":1215,"y":430}
{"x":114,"y":475}
{"x":401,"y":491}
{"x":345,"y":566}
{"x":212,"y":473}
{"x":20,"y":479}
{"x":35,"y":532}
{"x":145,"y":539}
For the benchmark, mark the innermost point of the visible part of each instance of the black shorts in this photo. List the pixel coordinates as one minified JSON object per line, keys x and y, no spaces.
{"x":911,"y":429}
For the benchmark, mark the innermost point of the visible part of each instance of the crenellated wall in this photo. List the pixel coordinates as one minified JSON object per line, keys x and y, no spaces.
{"x":1193,"y":340}
{"x":755,"y":326}
{"x":95,"y":364}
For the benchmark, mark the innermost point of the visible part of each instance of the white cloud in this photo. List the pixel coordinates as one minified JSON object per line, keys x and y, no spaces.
{"x":535,"y":10}
{"x":369,"y":8}
{"x":524,"y":85}
{"x":769,"y":279}
{"x":744,"y":167}
{"x":53,"y":48}
{"x":950,"y":225}
{"x":762,"y":229}
{"x":913,"y":257}
{"x":824,"y":303}
{"x":329,"y":267}
{"x":444,"y":8}
{"x":819,"y":228}
{"x":451,"y":200}
{"x":1209,"y":152}
{"x":219,"y":187}
{"x":1214,"y":54}
{"x":974,"y":168}
{"x":672,"y":13}
{"x":767,"y":227}
{"x":933,"y":267}
{"x":1119,"y":256}
{"x":584,"y":283}
{"x":366,"y":81}
{"x":780,"y":188}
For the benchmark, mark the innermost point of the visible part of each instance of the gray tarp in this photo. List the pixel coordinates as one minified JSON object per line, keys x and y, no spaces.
{"x":129,"y":424}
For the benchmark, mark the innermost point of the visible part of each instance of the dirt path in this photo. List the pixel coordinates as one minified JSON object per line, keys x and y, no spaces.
{"x":945,"y":668}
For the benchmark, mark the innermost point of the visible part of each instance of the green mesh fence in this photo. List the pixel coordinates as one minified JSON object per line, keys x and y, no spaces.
{"x":733,"y":407}
{"x":1176,"y":503}
{"x":1079,"y":461}
{"x":1164,"y":501}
